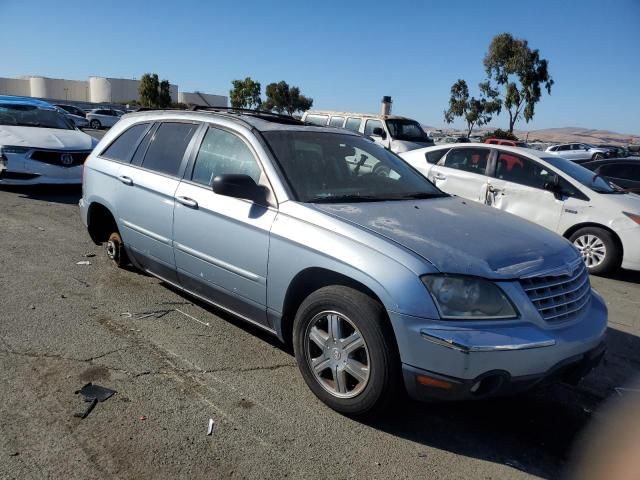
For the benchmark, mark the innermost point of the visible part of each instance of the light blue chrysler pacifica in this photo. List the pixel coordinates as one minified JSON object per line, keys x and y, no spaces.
{"x":380,"y":281}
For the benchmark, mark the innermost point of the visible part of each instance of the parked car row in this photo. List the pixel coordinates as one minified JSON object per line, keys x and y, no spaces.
{"x":379,"y":279}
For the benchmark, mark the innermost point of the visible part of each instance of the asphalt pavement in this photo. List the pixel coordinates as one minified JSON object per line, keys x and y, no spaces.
{"x":176,"y":363}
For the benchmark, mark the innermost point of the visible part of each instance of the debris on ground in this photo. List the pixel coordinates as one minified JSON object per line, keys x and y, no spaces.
{"x":83,"y":262}
{"x":86,"y":284}
{"x":210,"y":428}
{"x":94,"y":394}
{"x":206,"y":324}
{"x":142,"y":417}
{"x":155,"y":314}
{"x":126,"y":314}
{"x":32,"y":307}
{"x":89,"y":255}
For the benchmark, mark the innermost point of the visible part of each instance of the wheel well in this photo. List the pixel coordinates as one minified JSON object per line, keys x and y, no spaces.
{"x":577,"y":227}
{"x":101,"y":223}
{"x":304,"y":284}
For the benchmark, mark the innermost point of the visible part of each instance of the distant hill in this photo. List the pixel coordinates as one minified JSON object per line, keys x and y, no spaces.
{"x":577,"y":134}
{"x":558,"y":135}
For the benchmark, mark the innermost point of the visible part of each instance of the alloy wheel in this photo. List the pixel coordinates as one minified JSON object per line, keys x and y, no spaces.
{"x":337,"y":354}
{"x":592,"y":249}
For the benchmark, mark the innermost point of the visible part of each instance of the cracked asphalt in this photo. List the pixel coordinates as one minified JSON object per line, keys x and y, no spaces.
{"x":175,"y":363}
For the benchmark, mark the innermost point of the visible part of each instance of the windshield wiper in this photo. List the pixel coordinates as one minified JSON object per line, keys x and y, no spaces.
{"x":421,"y":195}
{"x":347,"y":199}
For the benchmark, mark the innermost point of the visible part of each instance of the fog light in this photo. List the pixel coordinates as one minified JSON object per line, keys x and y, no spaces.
{"x":433,"y":382}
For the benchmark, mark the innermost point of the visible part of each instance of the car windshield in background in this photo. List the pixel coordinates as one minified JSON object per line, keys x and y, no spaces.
{"x":584,"y":176}
{"x":408,"y":130}
{"x":332,"y":167}
{"x":32,"y":116}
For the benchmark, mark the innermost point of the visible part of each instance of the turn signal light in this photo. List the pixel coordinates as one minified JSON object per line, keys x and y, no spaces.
{"x":433,"y":382}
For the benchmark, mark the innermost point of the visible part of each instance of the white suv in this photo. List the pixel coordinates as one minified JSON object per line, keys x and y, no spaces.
{"x":600,"y":219}
{"x":103,"y":117}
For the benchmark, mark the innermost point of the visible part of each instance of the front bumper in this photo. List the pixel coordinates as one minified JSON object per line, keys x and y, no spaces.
{"x":514,"y":353}
{"x":24,"y":171}
{"x":630,"y":239}
{"x":425,"y":385}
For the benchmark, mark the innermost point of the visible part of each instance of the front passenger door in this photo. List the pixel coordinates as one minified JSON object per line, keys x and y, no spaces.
{"x":221,"y":243}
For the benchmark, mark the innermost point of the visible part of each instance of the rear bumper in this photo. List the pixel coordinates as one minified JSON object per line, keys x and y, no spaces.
{"x":426,"y":385}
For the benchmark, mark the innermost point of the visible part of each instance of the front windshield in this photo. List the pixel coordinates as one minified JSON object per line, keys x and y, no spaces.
{"x":32,"y":116}
{"x":409,"y":130}
{"x":584,"y":176}
{"x":333,"y":167}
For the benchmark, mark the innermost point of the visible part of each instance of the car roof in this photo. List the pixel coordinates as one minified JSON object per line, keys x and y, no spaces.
{"x":356,"y":114}
{"x":15,"y":100}
{"x":261,"y":121}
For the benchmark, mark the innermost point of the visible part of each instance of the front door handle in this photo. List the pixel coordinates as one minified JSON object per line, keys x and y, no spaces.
{"x":126,"y":180}
{"x":493,"y":189}
{"x":439,"y":176}
{"x":187,"y":202}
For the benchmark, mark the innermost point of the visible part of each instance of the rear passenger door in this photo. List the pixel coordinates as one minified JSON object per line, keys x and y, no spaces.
{"x":463,"y":172}
{"x":145,"y":200}
{"x":222,"y":243}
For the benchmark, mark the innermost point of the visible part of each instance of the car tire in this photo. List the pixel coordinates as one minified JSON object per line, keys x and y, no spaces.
{"x":597,"y":156}
{"x":95,"y":124}
{"x":599,"y":249}
{"x":116,"y":251}
{"x":339,"y":330}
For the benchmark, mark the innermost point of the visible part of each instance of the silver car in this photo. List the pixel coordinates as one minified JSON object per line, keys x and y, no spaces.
{"x":382,"y":283}
{"x":578,"y":152}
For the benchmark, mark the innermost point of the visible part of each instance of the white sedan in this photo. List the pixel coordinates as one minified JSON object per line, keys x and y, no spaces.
{"x":601,"y":220}
{"x":39,"y":145}
{"x":103,"y":117}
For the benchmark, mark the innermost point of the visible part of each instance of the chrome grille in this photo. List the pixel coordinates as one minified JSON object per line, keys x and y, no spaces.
{"x":561,"y":296}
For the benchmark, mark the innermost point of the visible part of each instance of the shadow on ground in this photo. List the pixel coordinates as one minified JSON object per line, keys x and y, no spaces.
{"x":626,"y":276}
{"x":64,"y":194}
{"x":533,"y":432}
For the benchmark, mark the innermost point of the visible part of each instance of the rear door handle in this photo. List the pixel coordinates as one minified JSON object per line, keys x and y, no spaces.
{"x":493,"y":189}
{"x":439,"y":176}
{"x":187,"y":202}
{"x":126,"y":180}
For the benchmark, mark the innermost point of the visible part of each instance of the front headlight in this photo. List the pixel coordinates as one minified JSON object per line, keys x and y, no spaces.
{"x":4,"y":149}
{"x":468,"y":298}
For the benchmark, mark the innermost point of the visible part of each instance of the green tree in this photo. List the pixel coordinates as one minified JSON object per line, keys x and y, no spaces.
{"x":521,"y":72}
{"x":164,"y":95}
{"x":474,"y":111}
{"x":153,"y":92}
{"x":282,"y":98}
{"x":499,"y":133}
{"x":245,"y":93}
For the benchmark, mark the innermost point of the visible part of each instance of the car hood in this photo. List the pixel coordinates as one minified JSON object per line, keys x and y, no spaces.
{"x":50,"y":138}
{"x":458,"y":236}
{"x":400,"y":146}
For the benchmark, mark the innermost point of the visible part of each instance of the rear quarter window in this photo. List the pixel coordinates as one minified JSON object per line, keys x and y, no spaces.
{"x":317,"y":119}
{"x":168,"y":146}
{"x":122,"y":148}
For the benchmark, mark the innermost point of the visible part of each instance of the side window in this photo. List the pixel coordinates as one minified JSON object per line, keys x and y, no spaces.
{"x":122,"y":147}
{"x":472,"y":160}
{"x":370,"y":125}
{"x":563,"y":148}
{"x":353,"y":124}
{"x":223,"y":153}
{"x":317,"y":119}
{"x":436,"y":155}
{"x":167,"y":147}
{"x":336,"y":122}
{"x":523,"y":171}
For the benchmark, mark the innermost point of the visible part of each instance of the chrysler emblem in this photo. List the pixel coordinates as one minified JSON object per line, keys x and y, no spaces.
{"x":66,"y":159}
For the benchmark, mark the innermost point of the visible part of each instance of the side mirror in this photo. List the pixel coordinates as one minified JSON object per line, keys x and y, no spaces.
{"x":239,"y":186}
{"x":379,"y":132}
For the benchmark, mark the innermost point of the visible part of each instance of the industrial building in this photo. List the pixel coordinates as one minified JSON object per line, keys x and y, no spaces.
{"x":101,"y":90}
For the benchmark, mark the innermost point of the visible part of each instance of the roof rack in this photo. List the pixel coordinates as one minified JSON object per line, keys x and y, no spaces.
{"x":247,"y":111}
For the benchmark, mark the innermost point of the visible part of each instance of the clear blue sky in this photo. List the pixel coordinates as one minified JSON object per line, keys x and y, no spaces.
{"x":346,"y":55}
